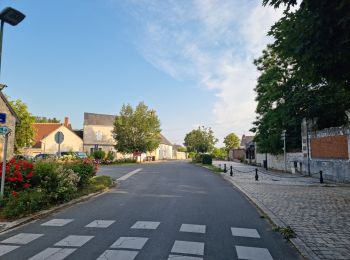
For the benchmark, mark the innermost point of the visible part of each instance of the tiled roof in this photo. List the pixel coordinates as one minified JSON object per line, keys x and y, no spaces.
{"x":3,"y":97}
{"x":98,"y":119}
{"x":42,"y":130}
{"x":246,"y":139}
{"x":163,"y":140}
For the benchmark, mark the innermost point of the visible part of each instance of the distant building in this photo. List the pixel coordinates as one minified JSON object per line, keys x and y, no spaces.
{"x":164,"y":150}
{"x":44,"y":139}
{"x":11,"y":121}
{"x":98,"y":132}
{"x":246,"y":150}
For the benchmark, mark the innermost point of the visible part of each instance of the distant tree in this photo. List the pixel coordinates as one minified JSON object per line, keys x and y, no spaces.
{"x":200,"y":140}
{"x":181,"y":149}
{"x":25,"y":131}
{"x":219,"y":153}
{"x":136,"y":130}
{"x":231,"y":141}
{"x":46,"y":120}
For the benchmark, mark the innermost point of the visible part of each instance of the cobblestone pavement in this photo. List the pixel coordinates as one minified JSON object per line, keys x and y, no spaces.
{"x":319,"y":214}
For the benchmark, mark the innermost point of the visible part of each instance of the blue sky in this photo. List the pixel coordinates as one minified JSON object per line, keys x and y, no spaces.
{"x":190,"y":60}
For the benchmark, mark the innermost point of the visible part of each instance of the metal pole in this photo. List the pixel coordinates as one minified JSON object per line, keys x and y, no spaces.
{"x":308,"y":149}
{"x":4,"y":166}
{"x":285,"y":157}
{"x":1,"y":34}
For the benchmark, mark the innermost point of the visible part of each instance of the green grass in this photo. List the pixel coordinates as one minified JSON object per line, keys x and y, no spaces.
{"x":98,"y":183}
{"x":211,"y":167}
{"x":287,"y":232}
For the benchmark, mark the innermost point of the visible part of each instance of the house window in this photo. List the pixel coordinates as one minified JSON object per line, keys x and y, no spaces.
{"x":91,"y":150}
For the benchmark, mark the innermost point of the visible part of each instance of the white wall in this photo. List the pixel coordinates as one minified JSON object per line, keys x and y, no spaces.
{"x":71,"y":142}
{"x":277,"y":161}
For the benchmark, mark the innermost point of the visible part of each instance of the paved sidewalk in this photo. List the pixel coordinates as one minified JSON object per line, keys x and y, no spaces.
{"x":319,"y":214}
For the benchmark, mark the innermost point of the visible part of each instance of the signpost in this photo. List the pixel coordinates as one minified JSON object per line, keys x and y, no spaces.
{"x":59,"y":138}
{"x":283,"y":137}
{"x":2,"y":118}
{"x":4,"y":130}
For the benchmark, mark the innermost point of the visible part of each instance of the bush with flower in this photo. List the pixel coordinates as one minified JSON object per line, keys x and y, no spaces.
{"x":19,"y":176}
{"x":31,"y":187}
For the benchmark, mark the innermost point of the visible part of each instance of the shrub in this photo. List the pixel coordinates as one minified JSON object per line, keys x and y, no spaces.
{"x":19,"y":175}
{"x":99,"y":154}
{"x":85,"y":170}
{"x":110,"y":156}
{"x":23,"y":203}
{"x":67,"y":184}
{"x":198,"y":158}
{"x":207,"y":159}
{"x":57,"y":181}
{"x":191,"y":155}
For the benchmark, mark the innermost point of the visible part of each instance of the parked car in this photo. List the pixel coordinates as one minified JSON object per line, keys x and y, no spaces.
{"x":81,"y":155}
{"x":42,"y":156}
{"x":23,"y":157}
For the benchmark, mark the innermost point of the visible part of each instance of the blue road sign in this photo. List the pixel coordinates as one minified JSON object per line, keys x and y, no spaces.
{"x":2,"y":118}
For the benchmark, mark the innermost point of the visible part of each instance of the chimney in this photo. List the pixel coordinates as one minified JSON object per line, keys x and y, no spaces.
{"x":66,"y":121}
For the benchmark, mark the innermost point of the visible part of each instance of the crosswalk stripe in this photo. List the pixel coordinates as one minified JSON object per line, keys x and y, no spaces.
{"x":53,"y":254}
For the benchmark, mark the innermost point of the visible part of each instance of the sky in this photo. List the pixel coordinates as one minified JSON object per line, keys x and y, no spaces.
{"x":190,"y":60}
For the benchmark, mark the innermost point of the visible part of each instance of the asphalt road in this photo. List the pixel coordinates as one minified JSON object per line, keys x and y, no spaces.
{"x":165,"y":211}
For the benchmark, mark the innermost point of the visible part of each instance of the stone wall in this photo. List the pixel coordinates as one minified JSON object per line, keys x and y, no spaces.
{"x":276,"y":162}
{"x":11,"y":123}
{"x":327,"y":151}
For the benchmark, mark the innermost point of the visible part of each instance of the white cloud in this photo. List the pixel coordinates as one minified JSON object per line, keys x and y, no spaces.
{"x":212,"y":42}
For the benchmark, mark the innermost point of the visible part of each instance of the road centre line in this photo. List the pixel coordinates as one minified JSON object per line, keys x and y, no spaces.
{"x":128,"y":175}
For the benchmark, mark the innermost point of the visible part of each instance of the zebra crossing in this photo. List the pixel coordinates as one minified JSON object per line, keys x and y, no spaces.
{"x":128,"y":247}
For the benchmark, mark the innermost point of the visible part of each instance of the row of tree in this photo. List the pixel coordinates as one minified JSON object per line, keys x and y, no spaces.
{"x":304,"y":73}
{"x":202,"y":140}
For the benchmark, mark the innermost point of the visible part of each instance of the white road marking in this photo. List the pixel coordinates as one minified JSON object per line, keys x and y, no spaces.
{"x":118,"y":255}
{"x":74,"y":241}
{"x":22,"y":238}
{"x":253,"y":253}
{"x":245,"y":232}
{"x":145,"y":225}
{"x":100,"y":224}
{"x":128,"y":175}
{"x":6,"y":249}
{"x":181,"y":257}
{"x":57,"y":222}
{"x":185,"y":247}
{"x":193,"y":228}
{"x":130,"y":243}
{"x":53,"y":254}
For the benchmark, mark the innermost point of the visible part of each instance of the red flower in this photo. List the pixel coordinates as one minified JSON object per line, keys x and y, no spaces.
{"x":30,"y":175}
{"x":14,"y":194}
{"x":26,"y":185}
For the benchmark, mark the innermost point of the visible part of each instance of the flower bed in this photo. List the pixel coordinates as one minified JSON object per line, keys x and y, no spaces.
{"x":32,"y":187}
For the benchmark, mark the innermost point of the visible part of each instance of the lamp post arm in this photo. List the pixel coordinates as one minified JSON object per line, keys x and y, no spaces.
{"x":1,"y":35}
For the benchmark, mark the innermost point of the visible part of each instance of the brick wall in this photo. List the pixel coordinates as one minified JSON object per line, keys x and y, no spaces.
{"x":330,"y":147}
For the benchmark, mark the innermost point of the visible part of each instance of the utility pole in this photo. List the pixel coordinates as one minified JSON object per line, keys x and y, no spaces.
{"x":6,"y":137}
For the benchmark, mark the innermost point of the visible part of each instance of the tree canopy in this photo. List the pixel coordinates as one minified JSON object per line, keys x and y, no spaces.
{"x":44,"y":119}
{"x":303,"y":73}
{"x":25,"y":131}
{"x":231,"y":141}
{"x":136,"y":130}
{"x":200,"y":140}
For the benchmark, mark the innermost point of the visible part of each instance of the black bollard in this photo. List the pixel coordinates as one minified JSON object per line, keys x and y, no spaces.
{"x":321,"y":177}
{"x":256,"y":175}
{"x":231,"y":170}
{"x":225,"y":169}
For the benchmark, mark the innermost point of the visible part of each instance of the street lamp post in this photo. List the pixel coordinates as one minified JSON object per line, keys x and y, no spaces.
{"x":12,"y":17}
{"x":284,"y":149}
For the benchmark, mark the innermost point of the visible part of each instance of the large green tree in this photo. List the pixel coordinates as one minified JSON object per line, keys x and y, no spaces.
{"x":25,"y":131}
{"x":317,"y":36}
{"x":231,"y":141}
{"x":200,"y":140}
{"x":136,"y":130}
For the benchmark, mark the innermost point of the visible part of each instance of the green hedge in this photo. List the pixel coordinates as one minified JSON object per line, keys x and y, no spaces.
{"x":207,"y":159}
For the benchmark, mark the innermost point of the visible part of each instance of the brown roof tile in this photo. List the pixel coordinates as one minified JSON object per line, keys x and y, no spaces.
{"x":42,"y":130}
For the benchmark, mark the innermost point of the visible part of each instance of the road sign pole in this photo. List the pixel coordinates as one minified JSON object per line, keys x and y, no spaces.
{"x":4,"y":166}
